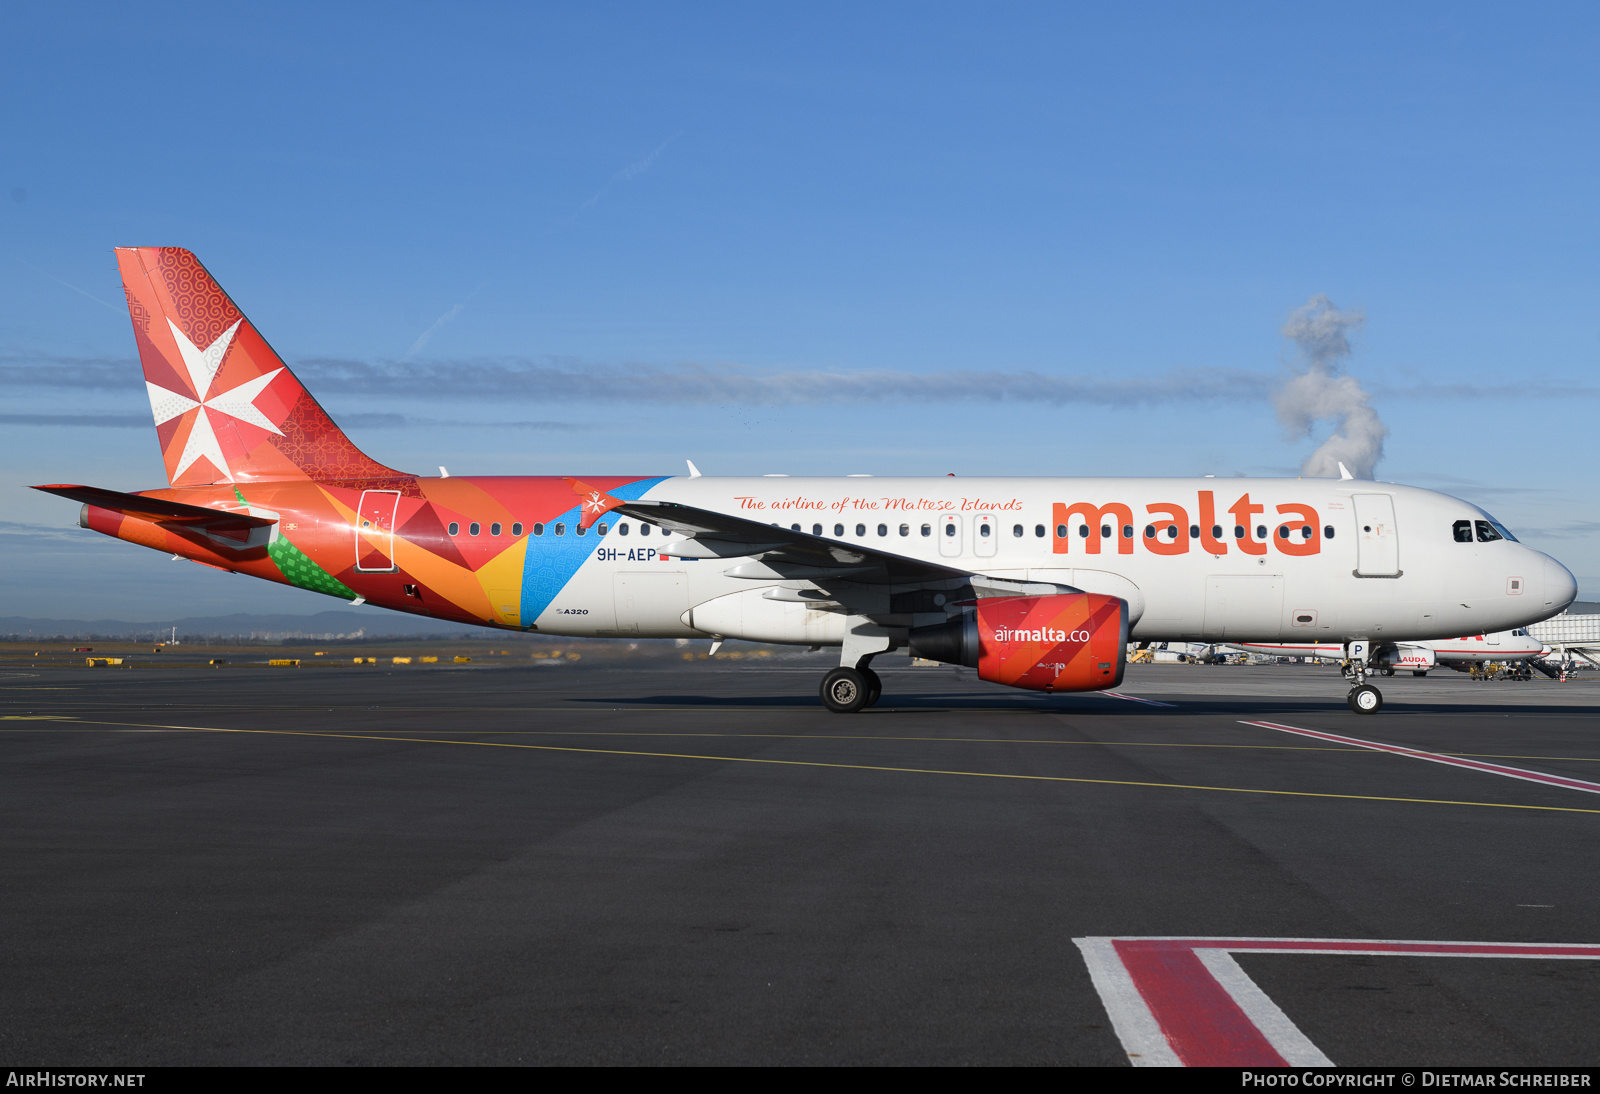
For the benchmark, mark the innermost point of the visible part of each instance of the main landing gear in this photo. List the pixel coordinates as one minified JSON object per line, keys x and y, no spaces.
{"x":847,"y":690}
{"x":1363,"y":697}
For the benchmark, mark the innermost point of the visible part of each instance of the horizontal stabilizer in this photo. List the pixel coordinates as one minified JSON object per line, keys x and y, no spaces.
{"x":158,"y":509}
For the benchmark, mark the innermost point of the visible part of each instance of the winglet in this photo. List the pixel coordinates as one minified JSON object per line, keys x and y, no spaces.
{"x":595,"y":503}
{"x":694,"y":472}
{"x":1344,"y":472}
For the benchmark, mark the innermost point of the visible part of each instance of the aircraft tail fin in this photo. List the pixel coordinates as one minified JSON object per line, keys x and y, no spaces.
{"x":226,"y":407}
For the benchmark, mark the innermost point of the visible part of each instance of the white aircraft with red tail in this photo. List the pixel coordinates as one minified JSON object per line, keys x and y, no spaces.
{"x":1418,"y":657}
{"x":1037,"y":583}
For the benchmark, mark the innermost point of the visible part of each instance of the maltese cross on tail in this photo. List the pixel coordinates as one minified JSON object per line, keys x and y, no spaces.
{"x":594,"y":503}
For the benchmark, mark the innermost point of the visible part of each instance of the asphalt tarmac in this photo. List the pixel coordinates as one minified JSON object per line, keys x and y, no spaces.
{"x":565,"y":863}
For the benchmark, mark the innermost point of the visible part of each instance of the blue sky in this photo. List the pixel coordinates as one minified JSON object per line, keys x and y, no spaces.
{"x":821,"y":239}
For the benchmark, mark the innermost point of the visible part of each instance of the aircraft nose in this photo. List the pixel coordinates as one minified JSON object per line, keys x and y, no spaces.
{"x":1560,"y":587}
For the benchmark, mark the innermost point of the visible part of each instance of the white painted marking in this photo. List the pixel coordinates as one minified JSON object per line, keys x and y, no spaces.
{"x":1522,"y":773}
{"x":1136,"y":699}
{"x":1268,"y":1017}
{"x":1130,"y":1016}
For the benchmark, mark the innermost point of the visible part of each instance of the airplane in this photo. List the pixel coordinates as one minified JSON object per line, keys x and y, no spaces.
{"x":1419,"y":657}
{"x":1038,"y":583}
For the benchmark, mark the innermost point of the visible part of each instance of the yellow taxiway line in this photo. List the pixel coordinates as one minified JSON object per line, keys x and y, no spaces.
{"x":841,"y":766}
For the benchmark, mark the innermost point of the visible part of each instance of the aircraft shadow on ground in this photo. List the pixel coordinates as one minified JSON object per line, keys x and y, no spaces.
{"x":1265,"y":707}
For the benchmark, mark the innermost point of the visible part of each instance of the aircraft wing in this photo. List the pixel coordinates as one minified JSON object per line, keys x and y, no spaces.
{"x":777,"y":553}
{"x":217,"y":521}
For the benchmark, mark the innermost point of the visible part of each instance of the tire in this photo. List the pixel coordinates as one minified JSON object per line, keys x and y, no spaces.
{"x":1419,"y":672}
{"x":1365,"y":699}
{"x":1388,"y":672}
{"x":874,"y":687}
{"x":844,"y":691}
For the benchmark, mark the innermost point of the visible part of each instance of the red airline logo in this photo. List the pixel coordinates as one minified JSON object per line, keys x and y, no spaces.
{"x":1167,"y":530}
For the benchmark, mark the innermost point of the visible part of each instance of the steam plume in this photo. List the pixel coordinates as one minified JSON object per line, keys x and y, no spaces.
{"x":1323,"y":392}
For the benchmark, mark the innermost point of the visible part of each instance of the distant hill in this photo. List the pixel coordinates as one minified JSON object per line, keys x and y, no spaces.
{"x":329,"y":626}
{"x":371,"y":623}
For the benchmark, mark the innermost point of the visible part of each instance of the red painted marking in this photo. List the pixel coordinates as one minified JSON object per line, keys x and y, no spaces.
{"x":1204,"y":1025}
{"x":1438,"y":758}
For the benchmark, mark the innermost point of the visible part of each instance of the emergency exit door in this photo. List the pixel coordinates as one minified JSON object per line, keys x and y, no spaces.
{"x":950,"y":536}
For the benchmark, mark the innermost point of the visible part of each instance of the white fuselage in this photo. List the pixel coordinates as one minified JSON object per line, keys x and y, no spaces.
{"x":1513,"y":645}
{"x":1235,"y":560}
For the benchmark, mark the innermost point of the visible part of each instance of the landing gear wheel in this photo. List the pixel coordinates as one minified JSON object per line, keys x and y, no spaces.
{"x":874,"y":687}
{"x":844,"y":691}
{"x":1419,"y":672}
{"x":1388,"y":672}
{"x":1365,"y":699}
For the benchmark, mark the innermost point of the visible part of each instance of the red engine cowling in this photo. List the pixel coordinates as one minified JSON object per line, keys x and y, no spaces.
{"x":1061,"y":642}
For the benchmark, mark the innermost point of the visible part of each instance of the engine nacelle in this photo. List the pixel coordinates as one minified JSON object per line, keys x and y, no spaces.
{"x":1061,"y":642}
{"x":1416,"y":658}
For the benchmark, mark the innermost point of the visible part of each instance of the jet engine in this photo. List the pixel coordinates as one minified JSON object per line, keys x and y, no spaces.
{"x":1060,"y":642}
{"x":1415,"y":658}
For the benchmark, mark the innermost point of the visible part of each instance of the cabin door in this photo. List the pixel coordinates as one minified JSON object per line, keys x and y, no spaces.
{"x":1377,"y":538}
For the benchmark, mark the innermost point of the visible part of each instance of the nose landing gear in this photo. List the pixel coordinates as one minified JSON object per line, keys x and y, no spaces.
{"x":1363,"y":697}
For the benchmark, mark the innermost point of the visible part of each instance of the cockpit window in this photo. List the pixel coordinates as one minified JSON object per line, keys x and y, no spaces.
{"x":1487,"y":532}
{"x":1463,"y":531}
{"x":1505,"y":532}
{"x":1521,"y":632}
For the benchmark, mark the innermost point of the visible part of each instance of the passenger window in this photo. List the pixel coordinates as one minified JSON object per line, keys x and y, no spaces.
{"x":1261,"y":531}
{"x":1486,"y":532}
{"x":1216,"y":531}
{"x":1305,"y":531}
{"x":1238,"y":531}
{"x":838,"y":529}
{"x":561,"y":529}
{"x":1327,"y":532}
{"x":1462,"y":530}
{"x":644,"y":529}
{"x":602,"y":529}
{"x":1038,"y":530}
{"x":861,"y":529}
{"x":816,"y":529}
{"x":905,"y":530}
{"x":516,"y":529}
{"x":1283,"y":531}
{"x":622,"y":528}
{"x":494,"y":529}
{"x":538,"y":529}
{"x":1083,"y":531}
{"x":883,"y":529}
{"x":1194,"y":531}
{"x":1016,"y":531}
{"x":1105,"y":531}
{"x":579,"y":530}
{"x":950,"y":529}
{"x":1061,"y":531}
{"x":1172,"y":532}
{"x":474,"y":528}
{"x":983,"y":530}
{"x":927,"y":530}
{"x":794,"y":527}
{"x":454,"y":529}
{"x":1127,"y":531}
{"x":1149,"y":531}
